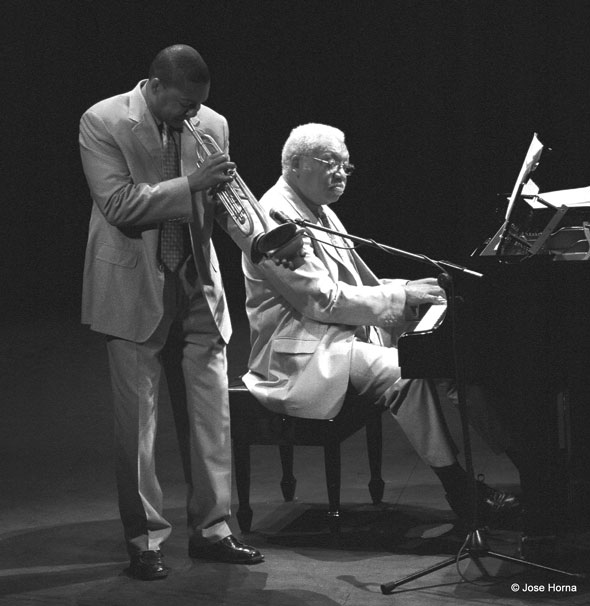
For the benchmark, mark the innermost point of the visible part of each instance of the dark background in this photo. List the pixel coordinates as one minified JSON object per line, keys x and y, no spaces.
{"x":439,"y":101}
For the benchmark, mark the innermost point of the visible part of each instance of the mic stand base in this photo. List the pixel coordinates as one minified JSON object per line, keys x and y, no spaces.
{"x":475,"y":548}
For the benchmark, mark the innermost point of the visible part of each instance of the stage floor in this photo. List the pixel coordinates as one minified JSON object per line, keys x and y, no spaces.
{"x":61,"y":540}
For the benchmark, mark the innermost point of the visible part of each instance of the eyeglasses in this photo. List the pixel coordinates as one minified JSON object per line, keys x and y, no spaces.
{"x":334,"y":165}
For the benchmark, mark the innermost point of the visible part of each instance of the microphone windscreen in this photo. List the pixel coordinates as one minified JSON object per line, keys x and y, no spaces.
{"x":279,"y":216}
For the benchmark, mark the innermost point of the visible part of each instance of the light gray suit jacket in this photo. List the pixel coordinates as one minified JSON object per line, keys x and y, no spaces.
{"x":121,"y":152}
{"x":303,"y":322}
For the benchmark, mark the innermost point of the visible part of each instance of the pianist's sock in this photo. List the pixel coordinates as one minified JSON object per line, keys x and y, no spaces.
{"x":453,"y":478}
{"x":457,"y":486}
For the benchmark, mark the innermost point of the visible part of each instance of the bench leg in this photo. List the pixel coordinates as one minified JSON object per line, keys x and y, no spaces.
{"x":242,"y":469}
{"x":332,"y":465}
{"x":288,"y":481}
{"x":375,"y":451}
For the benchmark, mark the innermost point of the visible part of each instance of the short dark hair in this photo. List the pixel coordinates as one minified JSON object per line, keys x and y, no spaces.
{"x":177,"y":64}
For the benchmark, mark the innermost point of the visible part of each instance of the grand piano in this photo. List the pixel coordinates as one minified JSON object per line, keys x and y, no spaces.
{"x":522,"y":333}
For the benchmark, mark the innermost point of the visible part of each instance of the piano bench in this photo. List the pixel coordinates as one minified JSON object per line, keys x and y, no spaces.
{"x":253,"y":424}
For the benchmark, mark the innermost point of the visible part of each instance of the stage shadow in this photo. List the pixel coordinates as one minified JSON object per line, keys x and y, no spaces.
{"x":202,"y":583}
{"x":67,"y":554}
{"x":85,"y":564}
{"x":377,"y":529}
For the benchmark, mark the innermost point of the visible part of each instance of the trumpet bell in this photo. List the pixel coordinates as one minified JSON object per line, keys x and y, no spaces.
{"x":283,"y":242}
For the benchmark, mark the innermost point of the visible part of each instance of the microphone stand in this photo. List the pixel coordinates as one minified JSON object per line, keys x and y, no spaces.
{"x":475,"y":545}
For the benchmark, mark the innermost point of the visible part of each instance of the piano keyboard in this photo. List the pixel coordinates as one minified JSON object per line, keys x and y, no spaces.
{"x":431,"y":319}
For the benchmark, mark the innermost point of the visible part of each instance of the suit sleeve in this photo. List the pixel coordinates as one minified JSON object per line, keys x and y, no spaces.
{"x":122,"y":201}
{"x":312,"y":291}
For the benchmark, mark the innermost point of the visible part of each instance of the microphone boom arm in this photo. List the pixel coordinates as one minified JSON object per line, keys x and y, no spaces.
{"x":280,"y":217}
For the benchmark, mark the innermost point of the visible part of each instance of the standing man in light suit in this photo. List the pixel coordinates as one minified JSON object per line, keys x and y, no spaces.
{"x":152,"y":285}
{"x":321,"y":330}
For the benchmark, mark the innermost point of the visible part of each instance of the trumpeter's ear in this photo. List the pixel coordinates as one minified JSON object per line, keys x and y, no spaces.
{"x":154,"y":84}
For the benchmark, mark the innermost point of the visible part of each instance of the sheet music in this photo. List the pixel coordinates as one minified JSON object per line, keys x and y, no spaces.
{"x":530,"y":188}
{"x":531,"y":161}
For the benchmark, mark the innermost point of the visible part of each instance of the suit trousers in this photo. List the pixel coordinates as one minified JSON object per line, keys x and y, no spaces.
{"x":188,"y":347}
{"x":414,"y":403}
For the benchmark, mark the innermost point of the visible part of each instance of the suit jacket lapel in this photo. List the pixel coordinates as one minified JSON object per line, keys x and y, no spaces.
{"x":146,"y":130}
{"x":361,"y":270}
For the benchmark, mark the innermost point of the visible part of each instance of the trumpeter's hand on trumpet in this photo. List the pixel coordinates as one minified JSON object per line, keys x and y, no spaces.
{"x":215,"y":169}
{"x":217,"y":174}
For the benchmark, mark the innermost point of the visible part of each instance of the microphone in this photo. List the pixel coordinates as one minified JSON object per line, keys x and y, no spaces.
{"x":279,"y":216}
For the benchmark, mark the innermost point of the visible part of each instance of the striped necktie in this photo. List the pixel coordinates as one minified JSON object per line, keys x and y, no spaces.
{"x":172,"y":233}
{"x":337,"y":241}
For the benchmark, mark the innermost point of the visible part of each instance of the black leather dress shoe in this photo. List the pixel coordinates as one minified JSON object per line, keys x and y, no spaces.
{"x":148,"y":566}
{"x":228,"y":550}
{"x":492,"y":504}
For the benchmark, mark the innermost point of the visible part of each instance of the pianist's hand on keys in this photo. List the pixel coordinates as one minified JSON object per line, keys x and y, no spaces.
{"x":426,"y":290}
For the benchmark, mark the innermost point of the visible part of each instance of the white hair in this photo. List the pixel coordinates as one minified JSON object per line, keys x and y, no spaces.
{"x":306,"y":139}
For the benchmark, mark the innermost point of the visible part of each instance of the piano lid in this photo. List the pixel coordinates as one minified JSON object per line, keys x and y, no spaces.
{"x":536,"y":224}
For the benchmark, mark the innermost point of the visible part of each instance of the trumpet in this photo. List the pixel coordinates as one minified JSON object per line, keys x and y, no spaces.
{"x":240,"y":203}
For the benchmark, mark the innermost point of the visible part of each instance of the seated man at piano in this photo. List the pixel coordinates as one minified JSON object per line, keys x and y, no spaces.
{"x":325,"y":328}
